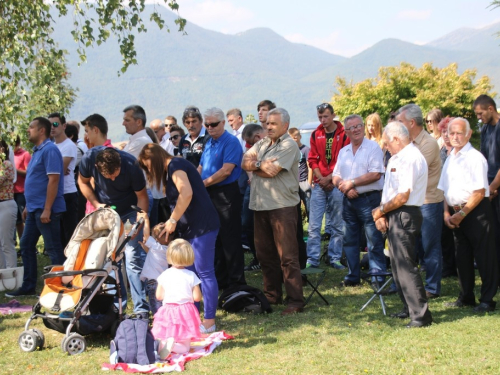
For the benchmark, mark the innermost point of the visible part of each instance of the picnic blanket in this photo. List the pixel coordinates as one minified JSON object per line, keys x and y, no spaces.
{"x":175,"y":362}
{"x":13,"y":307}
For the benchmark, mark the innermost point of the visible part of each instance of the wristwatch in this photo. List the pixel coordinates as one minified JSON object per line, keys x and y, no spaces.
{"x":257,"y":164}
{"x":462,"y":213}
{"x":382,"y":209}
{"x":172,"y":220}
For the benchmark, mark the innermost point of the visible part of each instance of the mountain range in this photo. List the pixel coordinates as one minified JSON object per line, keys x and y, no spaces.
{"x":210,"y":69}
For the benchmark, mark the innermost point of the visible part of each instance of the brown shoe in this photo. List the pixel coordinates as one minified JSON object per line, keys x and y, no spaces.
{"x":430,"y":295}
{"x":292,"y":310}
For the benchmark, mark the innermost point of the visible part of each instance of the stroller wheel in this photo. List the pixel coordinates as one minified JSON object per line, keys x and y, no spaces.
{"x":74,"y":344}
{"x":28,"y":341}
{"x":41,"y":338}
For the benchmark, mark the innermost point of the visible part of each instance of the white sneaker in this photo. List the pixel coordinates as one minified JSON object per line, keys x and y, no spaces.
{"x":165,"y":347}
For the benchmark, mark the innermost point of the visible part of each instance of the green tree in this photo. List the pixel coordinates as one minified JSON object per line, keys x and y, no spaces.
{"x":428,"y":86}
{"x":33,"y":74}
{"x":250,"y":119}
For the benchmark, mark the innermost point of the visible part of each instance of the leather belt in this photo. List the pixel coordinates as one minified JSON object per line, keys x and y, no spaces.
{"x":368,"y":193}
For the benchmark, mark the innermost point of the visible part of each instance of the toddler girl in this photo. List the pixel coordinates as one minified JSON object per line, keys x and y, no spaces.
{"x":177,"y":322}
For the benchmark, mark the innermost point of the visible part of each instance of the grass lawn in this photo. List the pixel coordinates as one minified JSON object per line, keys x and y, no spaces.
{"x":335,"y":339}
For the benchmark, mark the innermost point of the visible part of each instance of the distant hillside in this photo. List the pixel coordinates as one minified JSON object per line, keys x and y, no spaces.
{"x":207,"y":68}
{"x":467,"y":39}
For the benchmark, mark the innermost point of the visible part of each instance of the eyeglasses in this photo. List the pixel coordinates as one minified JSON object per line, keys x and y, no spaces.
{"x":213,"y":124}
{"x":55,"y":124}
{"x":324,"y":106}
{"x":174,"y":137}
{"x":358,"y":126}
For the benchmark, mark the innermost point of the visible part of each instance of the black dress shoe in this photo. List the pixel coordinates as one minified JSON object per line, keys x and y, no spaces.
{"x":418,"y":324}
{"x":401,"y":315}
{"x":484,"y":307}
{"x":459,"y":303}
{"x":349,"y":283}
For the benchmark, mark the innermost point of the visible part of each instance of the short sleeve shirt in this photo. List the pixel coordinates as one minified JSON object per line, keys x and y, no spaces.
{"x":463,"y":172}
{"x":225,"y":149}
{"x":368,"y":158}
{"x":282,"y":190}
{"x":407,"y":170}
{"x":178,"y":285}
{"x":68,"y":150}
{"x":22,"y":159}
{"x":122,"y":191}
{"x":303,"y":170}
{"x":46,"y":159}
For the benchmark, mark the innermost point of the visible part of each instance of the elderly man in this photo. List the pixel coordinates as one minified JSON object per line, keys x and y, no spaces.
{"x":357,"y":175}
{"x":163,"y":135}
{"x":44,"y":189}
{"x":274,"y":197}
{"x":192,"y":144}
{"x":432,"y":209}
{"x":120,"y":182}
{"x":220,"y":168}
{"x":486,"y":111}
{"x":326,"y":142}
{"x":468,"y":212}
{"x":134,"y":120}
{"x":400,"y":216}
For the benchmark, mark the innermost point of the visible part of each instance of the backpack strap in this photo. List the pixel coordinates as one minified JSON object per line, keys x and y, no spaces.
{"x":141,"y":330}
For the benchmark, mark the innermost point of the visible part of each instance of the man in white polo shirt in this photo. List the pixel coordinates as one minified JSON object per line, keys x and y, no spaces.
{"x":399,"y":215}
{"x":468,"y":212}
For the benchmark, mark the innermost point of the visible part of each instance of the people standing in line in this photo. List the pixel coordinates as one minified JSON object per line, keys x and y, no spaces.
{"x":400,"y":217}
{"x":468,"y":213}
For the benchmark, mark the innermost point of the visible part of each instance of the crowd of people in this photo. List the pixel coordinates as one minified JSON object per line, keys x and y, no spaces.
{"x":427,"y":193}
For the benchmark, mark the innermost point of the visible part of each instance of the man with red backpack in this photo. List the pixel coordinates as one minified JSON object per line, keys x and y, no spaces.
{"x":326,"y":142}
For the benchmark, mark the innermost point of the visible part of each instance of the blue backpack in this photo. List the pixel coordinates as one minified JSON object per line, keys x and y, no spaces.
{"x":133,"y":343}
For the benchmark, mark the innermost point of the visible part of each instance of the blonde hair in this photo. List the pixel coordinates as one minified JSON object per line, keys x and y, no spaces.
{"x":293,"y":131}
{"x":180,"y":253}
{"x":375,"y":119}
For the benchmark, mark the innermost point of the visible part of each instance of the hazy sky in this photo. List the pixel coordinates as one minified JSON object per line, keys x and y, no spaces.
{"x":342,"y":27}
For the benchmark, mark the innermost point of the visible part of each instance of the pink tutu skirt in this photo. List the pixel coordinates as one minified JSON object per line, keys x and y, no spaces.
{"x":178,"y":321}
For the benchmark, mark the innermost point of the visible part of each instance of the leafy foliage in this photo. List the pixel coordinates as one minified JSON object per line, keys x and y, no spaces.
{"x":429,"y":87}
{"x":33,"y":73}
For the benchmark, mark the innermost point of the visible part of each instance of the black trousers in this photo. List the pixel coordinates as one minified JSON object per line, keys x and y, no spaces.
{"x":475,"y":238}
{"x":229,"y":259}
{"x":404,"y":228}
{"x":495,"y":206}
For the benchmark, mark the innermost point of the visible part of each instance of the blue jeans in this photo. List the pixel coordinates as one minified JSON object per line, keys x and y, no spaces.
{"x":430,"y":241}
{"x":329,"y":203}
{"x":134,"y":261}
{"x":357,"y":213}
{"x":51,"y":233}
{"x":154,"y":304}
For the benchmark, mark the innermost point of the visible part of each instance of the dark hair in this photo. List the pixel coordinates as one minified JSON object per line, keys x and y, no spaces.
{"x":72,"y":132}
{"x":250,"y":130}
{"x":177,"y":128}
{"x":138,"y":113}
{"x":97,"y":121}
{"x":324,"y":106}
{"x":157,"y":155}
{"x":108,"y":161}
{"x":18,"y":141}
{"x":151,"y":134}
{"x":58,"y":115}
{"x":5,"y":147}
{"x":484,"y":101}
{"x":191,"y":112}
{"x":43,"y":122}
{"x":266,"y":103}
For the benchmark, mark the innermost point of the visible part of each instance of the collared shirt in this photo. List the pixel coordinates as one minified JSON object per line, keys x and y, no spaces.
{"x":137,"y":142}
{"x":428,"y":146}
{"x":191,"y":150}
{"x":46,"y":159}
{"x":68,"y":150}
{"x":368,"y":158}
{"x":167,"y":144}
{"x":225,"y":149}
{"x":282,"y":190}
{"x":464,"y":172}
{"x":490,"y":148}
{"x":407,"y":170}
{"x":237,"y":134}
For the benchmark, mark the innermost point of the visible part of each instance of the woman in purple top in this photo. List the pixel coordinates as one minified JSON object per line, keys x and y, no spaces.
{"x":193,"y":216}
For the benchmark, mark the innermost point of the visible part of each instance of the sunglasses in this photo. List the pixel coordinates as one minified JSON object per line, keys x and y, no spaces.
{"x":192,"y":109}
{"x":428,"y":121}
{"x":169,"y":125}
{"x":55,"y":124}
{"x":212,"y":125}
{"x":323,"y":106}
{"x":174,"y":137}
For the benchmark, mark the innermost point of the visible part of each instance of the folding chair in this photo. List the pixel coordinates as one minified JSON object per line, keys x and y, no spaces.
{"x":321,"y":275}
{"x":378,"y":289}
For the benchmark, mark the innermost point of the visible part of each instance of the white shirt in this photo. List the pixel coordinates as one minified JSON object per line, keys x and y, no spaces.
{"x":68,"y":150}
{"x":463,"y":172}
{"x":12,"y":160}
{"x":237,"y":134}
{"x":82,"y":145}
{"x":137,"y":142}
{"x":167,"y":144}
{"x":156,"y":260}
{"x":178,"y":285}
{"x":368,"y":158}
{"x":407,"y":170}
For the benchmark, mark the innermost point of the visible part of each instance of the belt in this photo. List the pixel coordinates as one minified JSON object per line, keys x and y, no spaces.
{"x":368,"y":193}
{"x":458,"y":207}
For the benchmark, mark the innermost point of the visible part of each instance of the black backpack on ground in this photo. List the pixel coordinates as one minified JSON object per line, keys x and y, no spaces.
{"x":238,"y":298}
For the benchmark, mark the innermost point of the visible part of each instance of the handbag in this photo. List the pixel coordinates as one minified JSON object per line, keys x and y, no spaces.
{"x":11,"y":278}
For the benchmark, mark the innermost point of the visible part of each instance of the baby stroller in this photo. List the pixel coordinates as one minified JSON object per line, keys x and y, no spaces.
{"x":78,"y":297}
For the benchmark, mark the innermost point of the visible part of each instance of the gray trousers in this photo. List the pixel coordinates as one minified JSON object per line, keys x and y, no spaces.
{"x":404,"y":228}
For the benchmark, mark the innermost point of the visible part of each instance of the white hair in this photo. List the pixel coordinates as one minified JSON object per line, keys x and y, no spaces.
{"x":467,"y":125}
{"x":396,"y":129}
